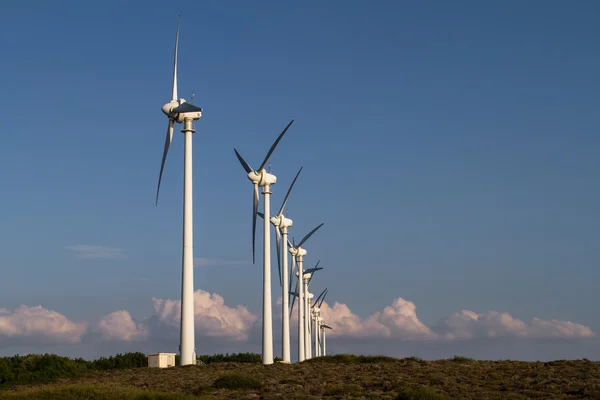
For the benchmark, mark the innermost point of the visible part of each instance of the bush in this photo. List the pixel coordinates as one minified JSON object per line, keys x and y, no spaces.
{"x":237,"y":381}
{"x":240,"y":357}
{"x":461,"y":359}
{"x":37,"y":368}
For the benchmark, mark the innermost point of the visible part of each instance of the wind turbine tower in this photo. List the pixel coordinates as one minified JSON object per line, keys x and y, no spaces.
{"x":177,"y":110}
{"x":264,"y":179}
{"x":298,"y":254}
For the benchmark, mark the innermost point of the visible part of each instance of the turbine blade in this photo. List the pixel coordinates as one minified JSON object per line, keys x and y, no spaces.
{"x":278,"y":239}
{"x":291,"y":275}
{"x":247,"y":167}
{"x":254,"y":212}
{"x":323,"y":299}
{"x":174,"y":96}
{"x":186,"y":107}
{"x":318,"y":298}
{"x":260,"y":215}
{"x":290,"y":243}
{"x":305,"y":238}
{"x":168,"y":140}
{"x":273,"y":146}
{"x":292,"y":307}
{"x":288,"y":192}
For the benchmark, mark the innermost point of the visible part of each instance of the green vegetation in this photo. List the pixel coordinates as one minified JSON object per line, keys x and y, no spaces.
{"x":240,"y":357}
{"x":37,"y":368}
{"x":237,"y":381}
{"x":462,"y":359}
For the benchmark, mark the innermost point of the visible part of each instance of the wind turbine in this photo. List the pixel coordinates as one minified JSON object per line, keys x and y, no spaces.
{"x":264,"y":179}
{"x":298,"y":254}
{"x":177,"y":110}
{"x":316,"y":313}
{"x":324,"y":327}
{"x":281,"y":225}
{"x":307,"y":321}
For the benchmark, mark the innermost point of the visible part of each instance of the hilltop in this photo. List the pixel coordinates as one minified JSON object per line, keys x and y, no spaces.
{"x":335,"y":377}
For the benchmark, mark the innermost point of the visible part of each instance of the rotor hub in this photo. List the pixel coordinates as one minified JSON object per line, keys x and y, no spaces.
{"x":167,"y":109}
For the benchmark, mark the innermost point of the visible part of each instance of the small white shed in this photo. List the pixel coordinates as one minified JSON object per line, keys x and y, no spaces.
{"x":161,"y":360}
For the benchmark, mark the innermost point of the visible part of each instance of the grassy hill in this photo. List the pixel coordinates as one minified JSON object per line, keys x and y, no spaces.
{"x":332,"y":377}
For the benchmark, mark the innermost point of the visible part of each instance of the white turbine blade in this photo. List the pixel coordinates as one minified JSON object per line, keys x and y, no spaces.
{"x":292,"y":307}
{"x":278,"y":239}
{"x":254,"y":213}
{"x":291,"y":275}
{"x":174,"y":97}
{"x":168,"y":140}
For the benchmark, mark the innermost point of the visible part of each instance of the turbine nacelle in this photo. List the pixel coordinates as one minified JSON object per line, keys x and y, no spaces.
{"x":190,"y":112}
{"x":262,"y":178}
{"x":281,"y":222}
{"x":297,"y":251}
{"x":306,"y":276}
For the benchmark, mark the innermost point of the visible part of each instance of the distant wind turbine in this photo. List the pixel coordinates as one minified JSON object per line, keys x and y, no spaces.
{"x":298,"y":254}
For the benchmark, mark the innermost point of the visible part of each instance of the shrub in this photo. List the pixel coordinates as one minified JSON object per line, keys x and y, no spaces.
{"x":240,"y":357}
{"x":462,"y":359}
{"x":237,"y":381}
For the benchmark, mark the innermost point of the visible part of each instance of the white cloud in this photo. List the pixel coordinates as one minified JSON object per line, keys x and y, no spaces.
{"x":212,"y":317}
{"x":400,"y":321}
{"x":38,"y":325}
{"x":86,"y":251}
{"x":468,"y":325}
{"x":210,"y":262}
{"x":120,"y":326}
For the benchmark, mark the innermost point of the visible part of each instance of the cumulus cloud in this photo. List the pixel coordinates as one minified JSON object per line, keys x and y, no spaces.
{"x":492,"y":324}
{"x":38,"y":325}
{"x":400,"y":321}
{"x":120,"y":326}
{"x":212,"y":317}
{"x":86,"y":251}
{"x":211,"y":262}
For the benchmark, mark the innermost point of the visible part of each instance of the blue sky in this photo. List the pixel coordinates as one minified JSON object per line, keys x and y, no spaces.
{"x":450,"y":149}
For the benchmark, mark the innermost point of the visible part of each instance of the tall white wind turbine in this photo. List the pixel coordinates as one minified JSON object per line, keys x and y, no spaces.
{"x":262,"y":178}
{"x":281,"y":224}
{"x":298,"y":254}
{"x":177,"y":110}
